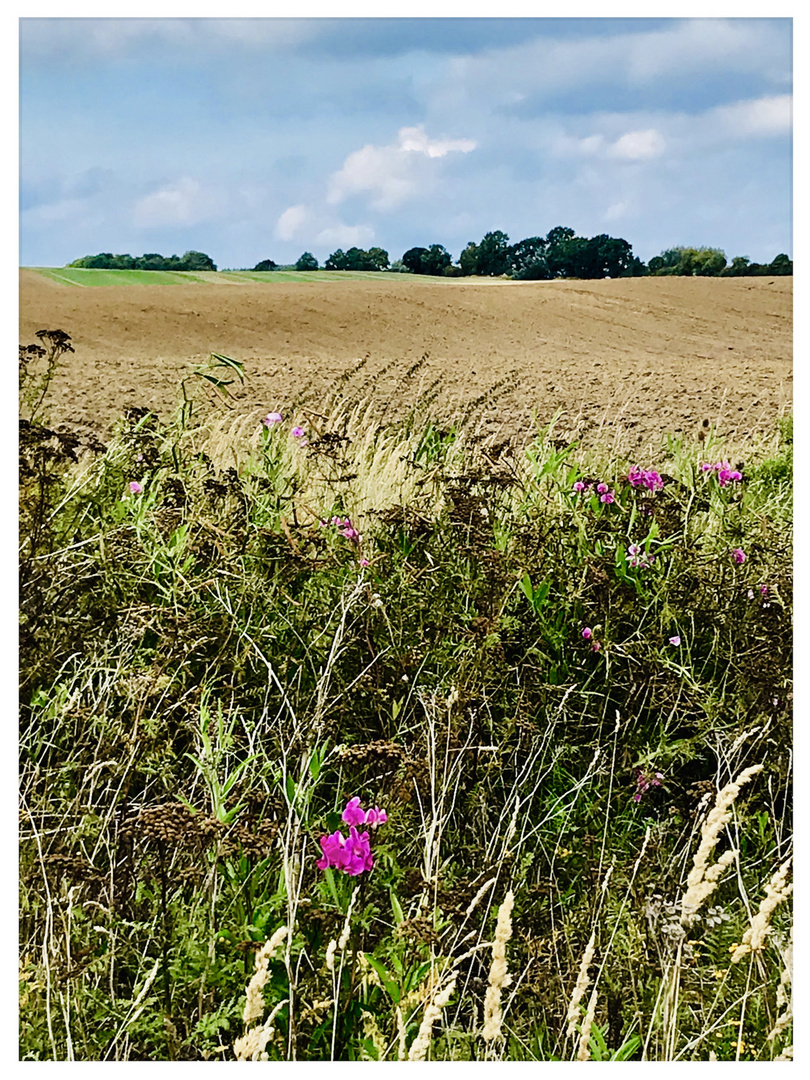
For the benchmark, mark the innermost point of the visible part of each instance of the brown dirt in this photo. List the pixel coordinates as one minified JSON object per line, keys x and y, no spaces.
{"x":633,"y":358}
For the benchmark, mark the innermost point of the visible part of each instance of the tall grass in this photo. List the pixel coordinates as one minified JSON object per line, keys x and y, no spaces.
{"x":550,"y":694}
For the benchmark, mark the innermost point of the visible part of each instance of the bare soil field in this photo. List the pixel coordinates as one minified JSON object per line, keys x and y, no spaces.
{"x":630,"y":360}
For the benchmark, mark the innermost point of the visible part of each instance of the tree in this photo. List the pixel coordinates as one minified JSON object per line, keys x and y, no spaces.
{"x":782,"y":265}
{"x":527,"y":259}
{"x":493,"y":254}
{"x":558,"y":235}
{"x":197,"y":260}
{"x":468,"y":259}
{"x":608,"y":256}
{"x":413,"y":259}
{"x":436,"y":260}
{"x":559,"y":251}
{"x":740,"y":267}
{"x":265,"y":264}
{"x":337,"y":260}
{"x":307,"y":261}
{"x":376,"y":258}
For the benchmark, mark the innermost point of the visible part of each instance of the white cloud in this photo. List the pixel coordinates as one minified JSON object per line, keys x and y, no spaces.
{"x":617,"y":211}
{"x":290,"y":222}
{"x":639,"y":145}
{"x":182,"y":203}
{"x":392,"y":173}
{"x":762,"y":116}
{"x":348,"y":235}
{"x":415,"y":139}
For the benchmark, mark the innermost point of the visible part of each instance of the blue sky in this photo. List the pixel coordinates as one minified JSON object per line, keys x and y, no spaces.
{"x":263,"y":138}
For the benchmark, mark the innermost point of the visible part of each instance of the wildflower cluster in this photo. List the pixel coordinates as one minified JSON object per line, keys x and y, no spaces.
{"x":351,"y":854}
{"x":644,"y":782}
{"x":723,"y":470}
{"x":647,"y":478}
{"x":638,"y":560}
{"x":601,"y":489}
{"x":587,"y":635}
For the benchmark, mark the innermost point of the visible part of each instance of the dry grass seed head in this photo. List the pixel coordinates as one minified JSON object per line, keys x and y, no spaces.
{"x":702,"y":879}
{"x":498,"y":974}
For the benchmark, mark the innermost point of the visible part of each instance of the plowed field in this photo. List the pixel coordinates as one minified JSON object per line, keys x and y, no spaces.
{"x":631,"y":359}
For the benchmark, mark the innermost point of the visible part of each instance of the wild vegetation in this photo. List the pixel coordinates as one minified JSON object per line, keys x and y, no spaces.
{"x":560,"y":254}
{"x":349,"y":738}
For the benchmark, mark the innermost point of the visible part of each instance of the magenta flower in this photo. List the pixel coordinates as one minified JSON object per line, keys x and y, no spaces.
{"x":298,"y":432}
{"x":364,"y":562}
{"x":358,"y":849}
{"x":738,"y":555}
{"x":675,"y":640}
{"x":763,"y":590}
{"x":596,"y":646}
{"x":602,"y":488}
{"x":724,"y":472}
{"x":334,"y":851}
{"x":354,"y":813}
{"x":587,"y":633}
{"x":647,"y":478}
{"x":351,"y":854}
{"x":645,"y":782}
{"x":608,"y":497}
{"x":135,"y":487}
{"x":272,"y":418}
{"x":579,"y":486}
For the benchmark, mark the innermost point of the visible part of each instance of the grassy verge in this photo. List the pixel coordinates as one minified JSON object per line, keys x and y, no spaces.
{"x":565,"y":679}
{"x":72,"y":275}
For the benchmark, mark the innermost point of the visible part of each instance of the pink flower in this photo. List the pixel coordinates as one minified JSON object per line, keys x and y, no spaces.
{"x":608,"y":497}
{"x":135,"y":487}
{"x":364,"y":562}
{"x":579,"y":486}
{"x":359,"y":857}
{"x":763,"y":590}
{"x":298,"y":432}
{"x":352,"y":854}
{"x":634,"y":549}
{"x":738,"y":555}
{"x":596,"y":647}
{"x":645,"y":782}
{"x":333,"y":848}
{"x":376,"y":816}
{"x":354,"y":813}
{"x":725,"y":473}
{"x":587,"y":633}
{"x":272,"y":418}
{"x":675,"y":640}
{"x":647,"y":478}
{"x":602,"y":488}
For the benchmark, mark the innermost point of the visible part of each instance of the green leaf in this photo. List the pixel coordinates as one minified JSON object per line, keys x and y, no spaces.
{"x":391,"y":987}
{"x":396,"y":907}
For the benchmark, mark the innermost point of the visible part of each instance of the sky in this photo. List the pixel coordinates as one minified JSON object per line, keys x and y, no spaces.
{"x":251,"y":139}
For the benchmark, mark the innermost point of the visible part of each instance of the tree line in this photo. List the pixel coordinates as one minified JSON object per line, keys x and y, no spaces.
{"x":559,"y":254}
{"x":192,"y":260}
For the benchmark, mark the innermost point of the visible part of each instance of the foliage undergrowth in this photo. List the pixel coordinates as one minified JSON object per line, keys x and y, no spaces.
{"x":229,"y":631}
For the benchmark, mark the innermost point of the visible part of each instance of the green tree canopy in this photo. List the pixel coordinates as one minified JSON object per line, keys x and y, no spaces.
{"x":265,"y":264}
{"x":493,"y":254}
{"x":527,"y":259}
{"x":413,"y":259}
{"x":357,"y":259}
{"x":307,"y":261}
